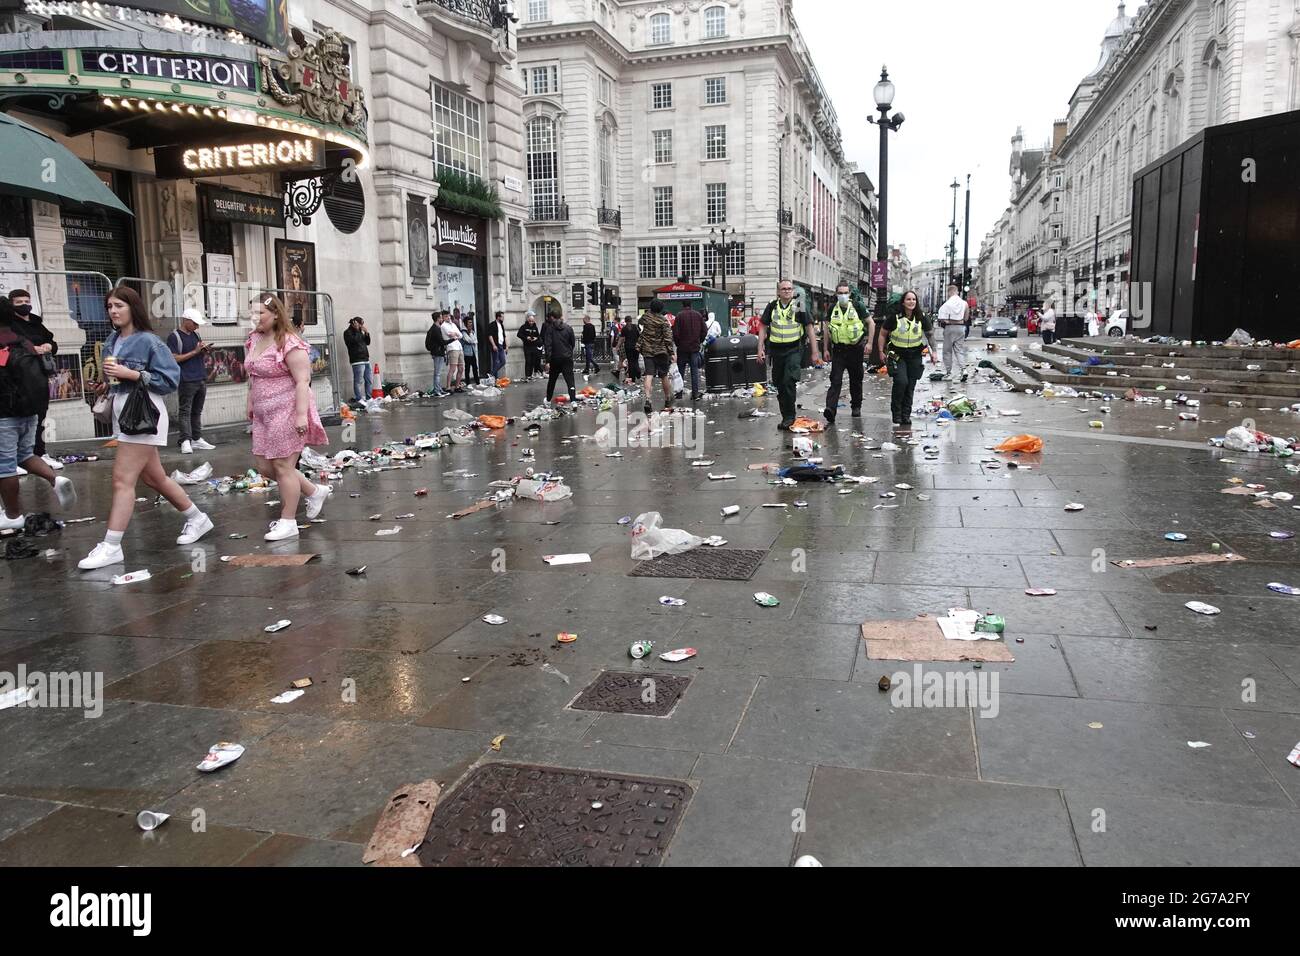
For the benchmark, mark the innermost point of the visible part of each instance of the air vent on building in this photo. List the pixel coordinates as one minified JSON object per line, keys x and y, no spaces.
{"x":345,"y":204}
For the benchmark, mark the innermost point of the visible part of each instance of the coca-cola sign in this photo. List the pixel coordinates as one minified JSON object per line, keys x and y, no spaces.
{"x":456,"y":233}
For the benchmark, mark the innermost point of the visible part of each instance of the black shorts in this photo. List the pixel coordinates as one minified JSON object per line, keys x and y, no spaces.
{"x":657,"y":365}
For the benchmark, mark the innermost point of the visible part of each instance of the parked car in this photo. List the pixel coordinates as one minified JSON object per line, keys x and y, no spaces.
{"x":1117,"y":323}
{"x":999,"y":326}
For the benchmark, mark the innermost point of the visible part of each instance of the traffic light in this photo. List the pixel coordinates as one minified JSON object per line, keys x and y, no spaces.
{"x":593,"y":293}
{"x":577,"y":295}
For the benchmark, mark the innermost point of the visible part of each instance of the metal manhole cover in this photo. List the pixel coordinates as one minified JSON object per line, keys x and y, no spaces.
{"x":618,"y":692}
{"x":710,"y":564}
{"x":518,"y":815}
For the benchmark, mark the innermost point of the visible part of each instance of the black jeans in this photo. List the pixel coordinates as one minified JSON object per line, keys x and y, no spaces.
{"x":1049,"y":336}
{"x":561,"y":367}
{"x":845,"y":358}
{"x":633,"y":364}
{"x":532,"y":361}
{"x":39,"y":449}
{"x":906,"y":369}
{"x":471,"y":363}
{"x":189,"y":399}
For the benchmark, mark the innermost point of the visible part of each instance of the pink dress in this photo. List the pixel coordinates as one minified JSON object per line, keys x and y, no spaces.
{"x":275,"y":410}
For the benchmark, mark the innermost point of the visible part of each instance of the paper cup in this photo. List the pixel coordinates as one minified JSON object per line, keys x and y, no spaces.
{"x":150,"y":819}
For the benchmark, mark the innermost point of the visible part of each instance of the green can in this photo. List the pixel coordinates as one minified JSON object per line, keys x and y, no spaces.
{"x":991,"y":624}
{"x":640,"y":649}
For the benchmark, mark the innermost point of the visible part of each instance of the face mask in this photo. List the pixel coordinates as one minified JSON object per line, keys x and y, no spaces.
{"x":23,"y":310}
{"x":844,"y":299}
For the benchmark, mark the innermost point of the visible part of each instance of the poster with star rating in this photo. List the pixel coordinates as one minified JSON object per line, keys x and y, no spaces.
{"x":229,"y":205}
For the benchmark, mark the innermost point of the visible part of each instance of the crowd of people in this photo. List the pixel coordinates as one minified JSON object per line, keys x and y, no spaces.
{"x":452,"y":341}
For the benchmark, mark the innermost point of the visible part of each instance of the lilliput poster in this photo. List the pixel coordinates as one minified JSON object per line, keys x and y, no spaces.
{"x":295,"y":275}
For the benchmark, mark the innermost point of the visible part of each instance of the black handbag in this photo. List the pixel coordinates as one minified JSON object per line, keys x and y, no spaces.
{"x":139,"y":414}
{"x":47,"y":364}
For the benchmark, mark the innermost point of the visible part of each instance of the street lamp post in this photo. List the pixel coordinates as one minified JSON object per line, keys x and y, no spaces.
{"x":884,"y":96}
{"x":965,"y":249}
{"x":952,"y":233}
{"x":720,"y":252}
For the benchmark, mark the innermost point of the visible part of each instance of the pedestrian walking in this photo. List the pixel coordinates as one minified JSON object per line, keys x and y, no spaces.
{"x":283,"y":411}
{"x":631,"y":352}
{"x":784,"y":328}
{"x":846,"y":343}
{"x":561,"y":344}
{"x":188,"y":347}
{"x":436,"y":345}
{"x":688,"y":337}
{"x":655,"y":344}
{"x":905,"y":335}
{"x":530,"y":336}
{"x":24,"y":391}
{"x":589,"y":346}
{"x":497,"y":343}
{"x":469,"y":339}
{"x":31,"y":326}
{"x":452,"y":334}
{"x":1047,"y":323}
{"x":357,"y":339}
{"x":135,"y":357}
{"x":952,"y":319}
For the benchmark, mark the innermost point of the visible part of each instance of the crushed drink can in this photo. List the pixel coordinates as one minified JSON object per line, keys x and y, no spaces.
{"x":132,"y":577}
{"x":763,"y":599}
{"x":493,"y":619}
{"x":1201,"y":608}
{"x":640,"y":649}
{"x":991,"y":624}
{"x":681,"y":654}
{"x":667,"y":601}
{"x":277,"y":626}
{"x":1175,"y":536}
{"x":148,"y":820}
{"x":1294,"y":755}
{"x":1283,"y":588}
{"x":730,"y":510}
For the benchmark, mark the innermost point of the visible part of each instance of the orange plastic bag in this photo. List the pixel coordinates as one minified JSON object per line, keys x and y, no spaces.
{"x":502,"y":382}
{"x":1029,"y":444}
{"x":492,"y":421}
{"x":1293,"y":344}
{"x":808,"y":423}
{"x":587,"y":392}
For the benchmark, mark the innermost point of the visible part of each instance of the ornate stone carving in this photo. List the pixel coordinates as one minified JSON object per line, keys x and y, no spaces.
{"x":315,"y":79}
{"x":167,"y":203}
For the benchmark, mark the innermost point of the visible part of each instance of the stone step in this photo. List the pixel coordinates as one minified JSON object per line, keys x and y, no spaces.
{"x":1218,"y":394}
{"x":1068,"y":357}
{"x":1023,"y":380}
{"x":1219,"y":352}
{"x":1183,"y":364}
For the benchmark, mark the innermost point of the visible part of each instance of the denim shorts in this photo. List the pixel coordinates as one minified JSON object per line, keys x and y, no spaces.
{"x":17,"y":443}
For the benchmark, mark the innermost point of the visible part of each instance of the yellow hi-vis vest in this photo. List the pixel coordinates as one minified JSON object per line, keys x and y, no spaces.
{"x":846,"y":327}
{"x":785,"y":328}
{"x":908,"y":334}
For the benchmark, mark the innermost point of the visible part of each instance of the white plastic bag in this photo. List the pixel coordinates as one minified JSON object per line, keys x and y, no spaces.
{"x":803,"y":446}
{"x":675,"y":379}
{"x":650,"y":539}
{"x":456,"y":415}
{"x":540,"y":490}
{"x":1240,"y":438}
{"x":195,"y":477}
{"x":1240,"y":337}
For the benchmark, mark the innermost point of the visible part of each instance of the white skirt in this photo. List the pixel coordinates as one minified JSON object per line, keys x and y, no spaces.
{"x":160,"y":439}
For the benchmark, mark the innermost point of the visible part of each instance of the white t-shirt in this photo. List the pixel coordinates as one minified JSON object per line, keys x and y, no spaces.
{"x":452,"y":334}
{"x":1048,"y":320}
{"x":954,"y":310}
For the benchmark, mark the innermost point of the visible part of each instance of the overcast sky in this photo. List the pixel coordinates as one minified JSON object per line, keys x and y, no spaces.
{"x":967,"y":73}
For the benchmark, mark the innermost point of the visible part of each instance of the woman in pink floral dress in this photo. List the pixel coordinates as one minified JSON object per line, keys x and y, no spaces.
{"x":283,"y":411}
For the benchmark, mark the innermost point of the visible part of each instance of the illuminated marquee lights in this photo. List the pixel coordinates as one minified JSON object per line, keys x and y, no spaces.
{"x":285,"y":152}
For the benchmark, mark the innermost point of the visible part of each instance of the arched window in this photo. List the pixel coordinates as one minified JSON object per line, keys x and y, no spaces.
{"x":1213,"y":84}
{"x":1173,"y":111}
{"x":543,"y":167}
{"x":606,"y":166}
{"x":1103,"y":190}
{"x":1118,"y":183}
{"x":1132,"y":165}
{"x":1151,"y":138}
{"x":661,"y":28}
{"x":715,"y":22}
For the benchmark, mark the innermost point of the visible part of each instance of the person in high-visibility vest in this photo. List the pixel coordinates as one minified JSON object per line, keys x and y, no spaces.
{"x":904,"y":337}
{"x":848,"y":334}
{"x":782,"y":332}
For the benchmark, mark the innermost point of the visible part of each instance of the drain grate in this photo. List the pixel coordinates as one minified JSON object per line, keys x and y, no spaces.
{"x":647,"y":695}
{"x":520,"y":815}
{"x":708,"y":564}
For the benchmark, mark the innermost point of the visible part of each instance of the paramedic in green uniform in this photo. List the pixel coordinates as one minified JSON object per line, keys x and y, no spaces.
{"x":849,"y":331}
{"x":904,"y":336}
{"x":782,"y":332}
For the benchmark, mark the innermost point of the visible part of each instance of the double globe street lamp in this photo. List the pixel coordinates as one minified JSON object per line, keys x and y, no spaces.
{"x":884,"y":95}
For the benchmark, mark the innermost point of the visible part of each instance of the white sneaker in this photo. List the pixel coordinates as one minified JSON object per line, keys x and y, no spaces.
{"x":194,"y":529}
{"x":202,"y":445}
{"x":103,"y":555}
{"x":282,"y":529}
{"x":66,"y":493}
{"x":11,"y":524}
{"x":317,"y":501}
{"x":187,"y":448}
{"x":53,"y":463}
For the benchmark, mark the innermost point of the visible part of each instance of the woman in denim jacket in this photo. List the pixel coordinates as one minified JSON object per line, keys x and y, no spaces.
{"x":134,"y":354}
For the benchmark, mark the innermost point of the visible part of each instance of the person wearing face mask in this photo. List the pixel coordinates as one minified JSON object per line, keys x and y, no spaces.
{"x":31,"y":327}
{"x":134,"y":354}
{"x":847,"y":337}
{"x":784,"y":329}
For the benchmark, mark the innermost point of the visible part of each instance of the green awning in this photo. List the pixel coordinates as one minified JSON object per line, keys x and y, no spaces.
{"x":35,"y":165}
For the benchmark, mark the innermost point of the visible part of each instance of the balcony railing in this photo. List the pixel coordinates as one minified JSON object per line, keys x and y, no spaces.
{"x":804,"y":232}
{"x":490,"y":13}
{"x":549,"y":212}
{"x":609,"y":217}
{"x":785,"y":217}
